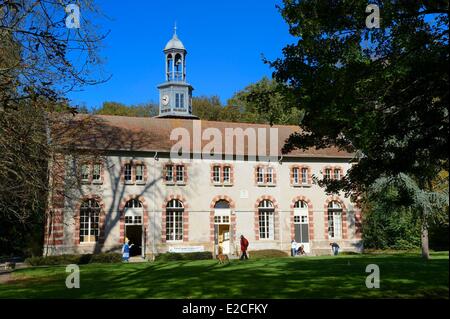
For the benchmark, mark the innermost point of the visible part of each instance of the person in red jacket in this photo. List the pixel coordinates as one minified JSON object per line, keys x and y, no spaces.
{"x":244,"y":246}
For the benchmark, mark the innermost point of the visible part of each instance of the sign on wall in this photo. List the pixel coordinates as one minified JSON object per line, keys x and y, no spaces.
{"x":186,"y":249}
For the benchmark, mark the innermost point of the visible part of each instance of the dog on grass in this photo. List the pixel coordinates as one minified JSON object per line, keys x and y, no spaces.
{"x":222,"y":258}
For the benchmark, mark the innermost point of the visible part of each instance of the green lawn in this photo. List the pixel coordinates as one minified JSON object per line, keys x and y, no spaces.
{"x":401,"y":276}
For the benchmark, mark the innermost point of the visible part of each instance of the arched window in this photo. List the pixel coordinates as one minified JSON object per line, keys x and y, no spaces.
{"x":133,"y":212}
{"x":222,"y":212}
{"x":301,"y":223}
{"x":334,"y":220}
{"x":266,"y":219}
{"x":174,"y":220}
{"x":89,"y":220}
{"x":222,"y":204}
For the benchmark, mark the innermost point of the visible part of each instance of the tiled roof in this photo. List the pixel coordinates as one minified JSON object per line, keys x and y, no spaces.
{"x":122,"y":133}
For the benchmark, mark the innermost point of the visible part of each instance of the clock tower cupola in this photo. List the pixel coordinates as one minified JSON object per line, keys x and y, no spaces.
{"x":175,"y":94}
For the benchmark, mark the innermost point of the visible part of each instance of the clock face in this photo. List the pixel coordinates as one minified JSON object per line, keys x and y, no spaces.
{"x":165,"y":99}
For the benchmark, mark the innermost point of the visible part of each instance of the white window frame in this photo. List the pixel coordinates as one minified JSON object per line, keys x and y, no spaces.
{"x":140,"y":176}
{"x":128,"y":172}
{"x":90,"y":207}
{"x":169,"y":173}
{"x":179,"y":173}
{"x":97,"y":172}
{"x":328,"y":173}
{"x":304,"y":176}
{"x":260,"y":175}
{"x":266,"y":220}
{"x":337,"y":174}
{"x":216,"y":174}
{"x":85,"y":172}
{"x":227,"y":174}
{"x":269,"y":175}
{"x":335,"y":223}
{"x":174,"y":216}
{"x":295,"y":175}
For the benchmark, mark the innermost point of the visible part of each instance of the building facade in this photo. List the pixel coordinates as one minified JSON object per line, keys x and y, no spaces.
{"x":117,"y":177}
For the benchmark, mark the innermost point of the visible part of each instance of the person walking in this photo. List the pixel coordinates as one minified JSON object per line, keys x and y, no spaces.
{"x":244,"y":246}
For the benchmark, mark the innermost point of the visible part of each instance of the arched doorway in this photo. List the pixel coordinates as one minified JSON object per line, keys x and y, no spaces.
{"x":301,"y":224}
{"x":222,"y":229}
{"x":334,"y":220}
{"x":134,"y":215}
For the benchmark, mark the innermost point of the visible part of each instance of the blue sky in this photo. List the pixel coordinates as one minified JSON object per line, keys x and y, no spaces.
{"x":224,"y":39}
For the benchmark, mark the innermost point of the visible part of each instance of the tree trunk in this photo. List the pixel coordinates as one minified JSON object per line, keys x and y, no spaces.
{"x":424,"y":237}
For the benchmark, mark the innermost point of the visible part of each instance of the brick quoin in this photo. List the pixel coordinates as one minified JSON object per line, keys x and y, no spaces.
{"x":54,"y":226}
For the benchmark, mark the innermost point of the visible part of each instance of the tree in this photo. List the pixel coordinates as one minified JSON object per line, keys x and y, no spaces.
{"x":266,"y":101}
{"x":41,"y":60}
{"x":207,"y":108}
{"x":115,"y":108}
{"x":381,"y":91}
{"x":37,"y":49}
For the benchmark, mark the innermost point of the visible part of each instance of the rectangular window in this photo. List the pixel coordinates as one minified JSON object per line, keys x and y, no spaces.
{"x":295,"y":176}
{"x":260,"y":174}
{"x":337,"y":174}
{"x":269,"y":175}
{"x":174,"y":225}
{"x":266,"y":225}
{"x":334,"y":225}
{"x":85,"y":172}
{"x":89,"y":230}
{"x":96,"y":176}
{"x":216,"y":174}
{"x":127,"y":172}
{"x":328,"y":173}
{"x":139,"y":173}
{"x":177,"y":100}
{"x":180,"y":173}
{"x":169,"y":173}
{"x":226,"y":174}
{"x":304,"y":175}
{"x":182,"y":100}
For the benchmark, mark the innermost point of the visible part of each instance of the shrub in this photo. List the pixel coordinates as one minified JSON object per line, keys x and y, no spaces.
{"x":74,"y":259}
{"x":106,"y":258}
{"x":184,"y":256}
{"x":267,"y":253}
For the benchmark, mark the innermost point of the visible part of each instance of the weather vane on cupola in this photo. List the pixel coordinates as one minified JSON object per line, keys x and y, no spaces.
{"x":175,"y":94}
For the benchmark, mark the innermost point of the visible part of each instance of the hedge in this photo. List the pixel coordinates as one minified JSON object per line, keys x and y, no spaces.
{"x":267,"y":253}
{"x":184,"y":256}
{"x":74,"y":259}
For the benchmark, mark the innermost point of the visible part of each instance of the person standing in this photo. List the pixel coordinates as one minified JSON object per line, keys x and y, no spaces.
{"x":126,"y":250}
{"x":244,"y":246}
{"x":293,"y":248}
{"x":334,"y":248}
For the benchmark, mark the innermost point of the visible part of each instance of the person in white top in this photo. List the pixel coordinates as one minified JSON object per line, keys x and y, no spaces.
{"x":293,"y":247}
